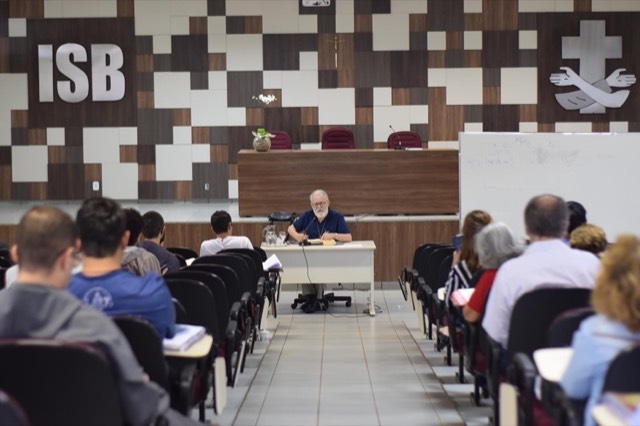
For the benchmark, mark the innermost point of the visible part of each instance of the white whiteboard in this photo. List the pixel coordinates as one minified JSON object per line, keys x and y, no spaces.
{"x":500,"y":172}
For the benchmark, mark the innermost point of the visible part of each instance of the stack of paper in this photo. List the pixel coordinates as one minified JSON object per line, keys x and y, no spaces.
{"x":186,"y":335}
{"x":272,"y":263}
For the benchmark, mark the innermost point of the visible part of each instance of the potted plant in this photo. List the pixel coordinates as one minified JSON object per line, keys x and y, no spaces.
{"x":261,"y":140}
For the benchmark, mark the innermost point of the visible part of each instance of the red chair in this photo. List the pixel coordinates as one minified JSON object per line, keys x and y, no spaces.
{"x":404,"y":139}
{"x":337,"y":138}
{"x":280,"y":139}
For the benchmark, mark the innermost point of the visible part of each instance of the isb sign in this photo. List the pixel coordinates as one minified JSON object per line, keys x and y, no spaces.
{"x":82,"y":72}
{"x":107,"y":79}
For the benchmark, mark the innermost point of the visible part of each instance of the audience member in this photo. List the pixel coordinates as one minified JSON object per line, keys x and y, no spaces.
{"x":495,"y":244}
{"x":465,"y":260}
{"x":153,"y":230}
{"x":318,"y":222}
{"x":614,"y":328}
{"x":577,"y":215}
{"x":547,"y":261}
{"x":137,"y":260}
{"x":223,"y":229}
{"x":589,"y":237}
{"x":38,"y":306}
{"x":103,"y":284}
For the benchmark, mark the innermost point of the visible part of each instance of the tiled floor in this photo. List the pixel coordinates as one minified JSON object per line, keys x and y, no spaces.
{"x":344,"y":368}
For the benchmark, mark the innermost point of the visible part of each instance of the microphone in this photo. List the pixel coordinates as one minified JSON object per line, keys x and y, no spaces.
{"x":305,"y":242}
{"x":399,"y":146}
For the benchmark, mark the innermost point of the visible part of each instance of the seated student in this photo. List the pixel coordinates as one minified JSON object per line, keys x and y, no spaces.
{"x":465,"y":260}
{"x":495,"y":245}
{"x":137,"y":260}
{"x":577,"y":215}
{"x":103,"y":284}
{"x":614,"y":328}
{"x":223,"y":229}
{"x":38,"y":306}
{"x":589,"y":237}
{"x":153,"y":230}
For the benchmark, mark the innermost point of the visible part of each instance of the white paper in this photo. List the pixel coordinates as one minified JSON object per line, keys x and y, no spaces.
{"x":272,"y":263}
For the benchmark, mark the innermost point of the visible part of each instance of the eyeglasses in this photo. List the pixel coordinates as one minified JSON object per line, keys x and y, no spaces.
{"x":320,"y":204}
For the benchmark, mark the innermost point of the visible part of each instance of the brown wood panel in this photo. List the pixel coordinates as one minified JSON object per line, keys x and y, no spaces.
{"x":19,"y":119}
{"x":395,"y":240}
{"x":126,"y":8}
{"x":358,"y":181}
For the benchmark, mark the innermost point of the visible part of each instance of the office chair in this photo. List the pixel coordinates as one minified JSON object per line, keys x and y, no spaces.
{"x":280,"y":139}
{"x":404,"y":139}
{"x":337,"y":138}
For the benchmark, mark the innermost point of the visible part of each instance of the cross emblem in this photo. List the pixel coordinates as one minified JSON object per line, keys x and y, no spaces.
{"x":592,"y":48}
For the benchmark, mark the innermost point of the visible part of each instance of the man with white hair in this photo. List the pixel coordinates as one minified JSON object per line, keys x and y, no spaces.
{"x":320,"y":222}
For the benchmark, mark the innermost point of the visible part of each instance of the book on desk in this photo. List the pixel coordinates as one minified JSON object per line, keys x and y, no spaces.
{"x":186,"y":335}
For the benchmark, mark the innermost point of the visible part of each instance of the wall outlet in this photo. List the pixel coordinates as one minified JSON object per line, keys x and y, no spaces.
{"x":95,"y":185}
{"x":206,"y":186}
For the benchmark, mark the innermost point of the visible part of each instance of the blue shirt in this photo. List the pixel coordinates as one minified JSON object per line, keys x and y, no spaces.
{"x":168,"y":261}
{"x":120,"y":293}
{"x":308,"y":222}
{"x":595,"y":345}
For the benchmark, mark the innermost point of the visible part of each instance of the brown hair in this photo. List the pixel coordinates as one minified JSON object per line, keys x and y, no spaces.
{"x":588,"y":237}
{"x":42,"y":235}
{"x":473,"y":223}
{"x":616,"y":294}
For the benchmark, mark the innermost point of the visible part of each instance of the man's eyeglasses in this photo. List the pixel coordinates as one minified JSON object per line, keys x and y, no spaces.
{"x":320,"y":204}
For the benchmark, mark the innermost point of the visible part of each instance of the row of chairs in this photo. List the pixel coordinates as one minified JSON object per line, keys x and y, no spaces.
{"x":342,"y":138}
{"x":530,"y":329}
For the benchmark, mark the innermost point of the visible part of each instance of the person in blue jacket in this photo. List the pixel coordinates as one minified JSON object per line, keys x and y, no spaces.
{"x":103,"y":283}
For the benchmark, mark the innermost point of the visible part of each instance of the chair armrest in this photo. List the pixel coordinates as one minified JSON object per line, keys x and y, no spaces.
{"x":522,"y":374}
{"x":231,"y":331}
{"x":262,"y":289}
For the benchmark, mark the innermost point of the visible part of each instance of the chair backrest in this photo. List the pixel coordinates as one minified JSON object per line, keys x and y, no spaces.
{"x":11,"y":412}
{"x":421,"y":255}
{"x":261,"y":252}
{"x":146,"y":346}
{"x":181,"y":312}
{"x":404,"y":139}
{"x":198,"y":303}
{"x":564,"y":325}
{"x":238,"y":264}
{"x":280,"y":139}
{"x":228,"y":275}
{"x":185,"y":252}
{"x":217,"y":288}
{"x":534,"y":312}
{"x":256,"y":259}
{"x":337,"y":138}
{"x":623,"y":374}
{"x":62,"y":383}
{"x":434,"y":262}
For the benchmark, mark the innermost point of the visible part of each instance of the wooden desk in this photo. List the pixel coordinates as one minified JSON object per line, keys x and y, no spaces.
{"x":341,"y":263}
{"x":358,"y":181}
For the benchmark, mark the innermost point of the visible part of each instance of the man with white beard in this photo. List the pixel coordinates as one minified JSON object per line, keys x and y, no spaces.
{"x":320,"y":222}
